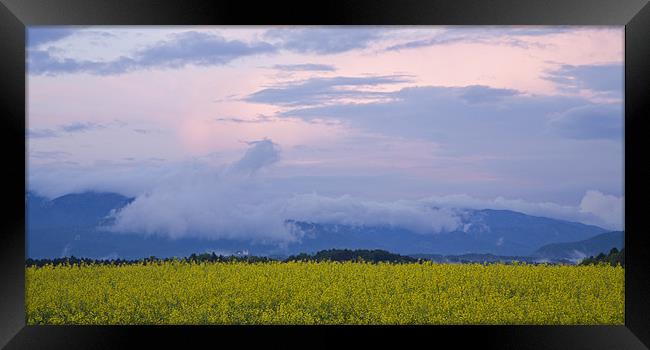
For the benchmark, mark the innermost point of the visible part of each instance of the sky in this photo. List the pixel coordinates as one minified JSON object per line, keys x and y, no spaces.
{"x":226,"y":131}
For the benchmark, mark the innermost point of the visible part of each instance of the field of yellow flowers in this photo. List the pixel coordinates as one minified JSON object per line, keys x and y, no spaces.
{"x":324,"y":293}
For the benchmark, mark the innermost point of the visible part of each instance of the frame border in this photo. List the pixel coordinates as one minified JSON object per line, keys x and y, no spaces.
{"x":16,"y":15}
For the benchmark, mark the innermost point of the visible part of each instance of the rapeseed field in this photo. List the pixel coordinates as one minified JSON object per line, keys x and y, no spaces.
{"x":324,"y":293}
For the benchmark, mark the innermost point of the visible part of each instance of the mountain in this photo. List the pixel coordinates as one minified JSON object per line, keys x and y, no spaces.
{"x":71,"y":210}
{"x":498,"y":232}
{"x":575,"y":251}
{"x":67,"y":225}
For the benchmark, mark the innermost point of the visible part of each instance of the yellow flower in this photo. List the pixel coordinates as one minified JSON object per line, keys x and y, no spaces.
{"x":177,"y":292}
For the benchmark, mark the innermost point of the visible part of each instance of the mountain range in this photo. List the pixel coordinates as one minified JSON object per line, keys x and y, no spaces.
{"x":68,"y":225}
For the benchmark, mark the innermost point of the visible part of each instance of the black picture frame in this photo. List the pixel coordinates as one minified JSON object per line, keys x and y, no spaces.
{"x":15,"y":15}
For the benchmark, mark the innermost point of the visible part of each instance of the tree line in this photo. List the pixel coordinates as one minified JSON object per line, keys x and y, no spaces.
{"x":374,"y":256}
{"x":204,"y":257}
{"x":615,"y":257}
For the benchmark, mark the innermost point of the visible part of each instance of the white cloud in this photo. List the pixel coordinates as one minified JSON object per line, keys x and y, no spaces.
{"x":211,"y":202}
{"x":235,"y":203}
{"x":260,"y":154}
{"x":239,"y":201}
{"x":60,"y":178}
{"x":413,"y":215}
{"x":595,"y":208}
{"x":607,"y":207}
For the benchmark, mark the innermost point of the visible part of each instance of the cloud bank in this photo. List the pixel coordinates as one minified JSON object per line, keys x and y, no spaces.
{"x":234,"y":203}
{"x":41,"y":35}
{"x":305,"y":67}
{"x":589,"y":122}
{"x":606,"y":79}
{"x":188,"y":48}
{"x":494,"y":35}
{"x":65,"y":129}
{"x":238,"y":202}
{"x":319,"y":40}
{"x":317,"y":91}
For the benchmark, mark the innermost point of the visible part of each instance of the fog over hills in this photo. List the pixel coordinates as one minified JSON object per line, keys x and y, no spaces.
{"x":79,"y":224}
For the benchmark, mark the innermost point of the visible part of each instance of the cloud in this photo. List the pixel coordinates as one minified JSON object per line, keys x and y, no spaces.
{"x":260,"y":154}
{"x":188,"y":48}
{"x":226,"y":210}
{"x":429,"y":112}
{"x":81,"y":126}
{"x":480,"y":94}
{"x":609,"y":208}
{"x":199,"y":49}
{"x":41,"y":35}
{"x":589,"y":122}
{"x":257,"y":120}
{"x":57,"y":179}
{"x":413,"y":215}
{"x":606,"y":79}
{"x":74,"y":127}
{"x":320,"y":40}
{"x":62,"y":130}
{"x":215,"y":207}
{"x":534,"y":136}
{"x":41,"y":133}
{"x":215,"y":204}
{"x":511,"y":36}
{"x":230,"y":208}
{"x":212,"y":203}
{"x":236,"y":203}
{"x":48,"y":154}
{"x":239,"y":201}
{"x":316,"y":91}
{"x":427,"y":42}
{"x":305,"y":67}
{"x":594,"y":208}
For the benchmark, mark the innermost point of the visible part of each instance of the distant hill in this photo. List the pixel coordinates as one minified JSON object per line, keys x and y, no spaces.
{"x":593,"y":246}
{"x":71,"y":210}
{"x":487,"y":231}
{"x":375,"y":255}
{"x":68,"y":225}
